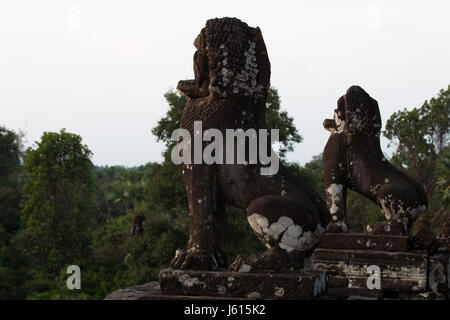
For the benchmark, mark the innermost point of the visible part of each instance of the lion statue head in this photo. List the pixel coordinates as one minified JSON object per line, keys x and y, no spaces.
{"x":231,"y":61}
{"x":357,"y":113}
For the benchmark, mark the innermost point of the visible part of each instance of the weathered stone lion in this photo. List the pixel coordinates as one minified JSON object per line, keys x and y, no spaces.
{"x":232,"y":74}
{"x":353,"y":159}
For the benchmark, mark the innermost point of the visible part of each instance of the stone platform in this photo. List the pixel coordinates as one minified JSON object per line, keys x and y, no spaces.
{"x":224,"y":284}
{"x":152,"y":291}
{"x":416,"y":268}
{"x":405,"y":270}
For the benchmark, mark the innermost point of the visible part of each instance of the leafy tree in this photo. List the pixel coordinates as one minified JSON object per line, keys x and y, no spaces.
{"x":443,"y":179}
{"x":119,"y":190}
{"x":171,"y":121}
{"x":10,"y":193}
{"x":149,"y":253}
{"x":310,"y":173}
{"x":107,"y":271}
{"x":420,"y":137}
{"x":165,"y":187}
{"x":277,"y":119}
{"x":58,"y":195}
{"x":12,"y":273}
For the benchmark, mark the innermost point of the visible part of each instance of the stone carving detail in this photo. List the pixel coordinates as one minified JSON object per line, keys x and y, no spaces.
{"x":232,"y":74}
{"x":353,"y":159}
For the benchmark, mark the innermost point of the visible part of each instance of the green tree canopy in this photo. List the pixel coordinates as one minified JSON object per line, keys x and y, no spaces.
{"x":420,"y":136}
{"x":10,"y":166}
{"x":58,"y":195}
{"x":421,"y":140}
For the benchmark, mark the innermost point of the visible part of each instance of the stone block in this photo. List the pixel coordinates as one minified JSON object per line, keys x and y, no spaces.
{"x":299,"y":286}
{"x":400,"y":271}
{"x":335,"y":262}
{"x":359,"y":241}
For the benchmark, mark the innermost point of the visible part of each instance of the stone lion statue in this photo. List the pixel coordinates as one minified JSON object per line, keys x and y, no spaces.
{"x":353,"y":159}
{"x":232,"y":75}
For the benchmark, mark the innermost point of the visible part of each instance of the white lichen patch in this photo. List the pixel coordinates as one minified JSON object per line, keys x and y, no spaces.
{"x":397,"y":209}
{"x":436,"y":276}
{"x":340,"y":124}
{"x":290,"y":239}
{"x":221,"y":290}
{"x":293,"y":239}
{"x":279,"y":292}
{"x":187,"y":281}
{"x":244,"y":81}
{"x":260,"y":225}
{"x":374,"y":189}
{"x":335,"y":192}
{"x":245,"y":268}
{"x":292,"y":235}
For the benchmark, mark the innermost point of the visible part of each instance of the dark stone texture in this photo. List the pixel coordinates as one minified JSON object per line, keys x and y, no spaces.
{"x":426,"y":240}
{"x":421,"y":296}
{"x":337,"y":281}
{"x":400,"y":271}
{"x":272,"y":261}
{"x":352,"y":158}
{"x":439,"y":273}
{"x":305,"y":285}
{"x":152,"y":291}
{"x":334,"y":262}
{"x":390,"y":227}
{"x":358,"y":241}
{"x":352,"y":294}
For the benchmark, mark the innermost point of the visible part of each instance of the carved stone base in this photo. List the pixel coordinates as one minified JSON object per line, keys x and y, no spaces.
{"x":302,"y":285}
{"x":404,"y":272}
{"x":400,"y":271}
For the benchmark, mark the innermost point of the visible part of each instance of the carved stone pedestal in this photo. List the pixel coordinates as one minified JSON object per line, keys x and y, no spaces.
{"x":225,"y":284}
{"x":350,"y":259}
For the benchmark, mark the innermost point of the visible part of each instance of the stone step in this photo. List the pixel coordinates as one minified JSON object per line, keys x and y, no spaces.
{"x":357,"y":241}
{"x":351,"y":294}
{"x":226,"y":284}
{"x":152,"y":291}
{"x":400,"y":271}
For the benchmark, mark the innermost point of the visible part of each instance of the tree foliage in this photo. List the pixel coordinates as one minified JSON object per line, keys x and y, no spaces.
{"x":57,"y":199}
{"x":420,"y":137}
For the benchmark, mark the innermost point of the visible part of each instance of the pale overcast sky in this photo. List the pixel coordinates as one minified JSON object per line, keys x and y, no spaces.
{"x":99,"y":68}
